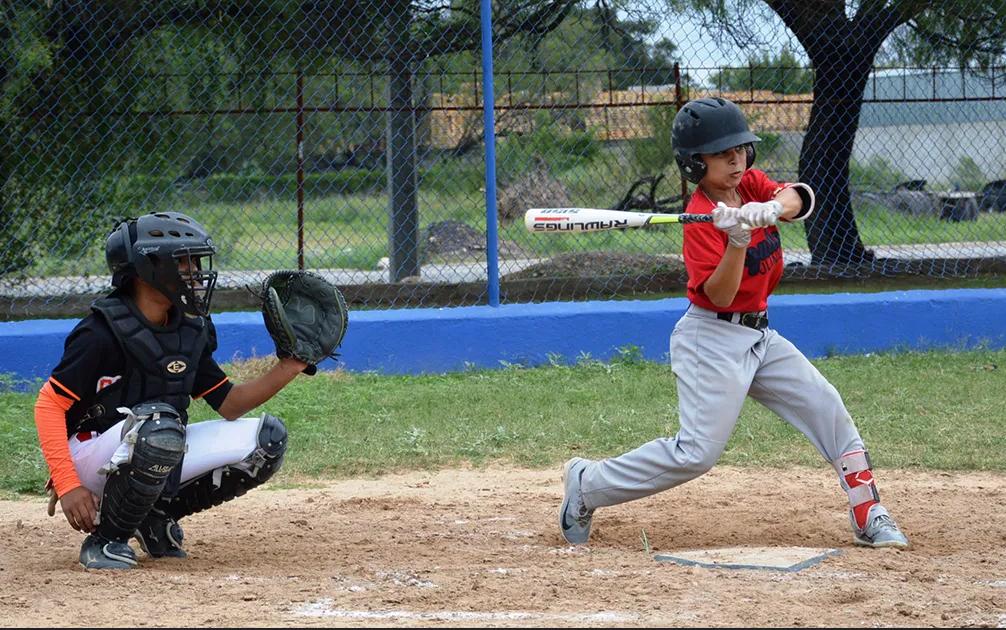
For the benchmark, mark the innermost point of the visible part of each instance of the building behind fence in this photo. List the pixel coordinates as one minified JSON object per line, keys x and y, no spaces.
{"x":352,"y":144}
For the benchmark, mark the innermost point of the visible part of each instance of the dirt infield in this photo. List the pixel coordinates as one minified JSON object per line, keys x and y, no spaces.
{"x":481,"y":547}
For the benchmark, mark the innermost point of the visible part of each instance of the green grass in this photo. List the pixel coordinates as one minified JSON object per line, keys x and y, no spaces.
{"x":936,"y":410}
{"x":881,"y":226}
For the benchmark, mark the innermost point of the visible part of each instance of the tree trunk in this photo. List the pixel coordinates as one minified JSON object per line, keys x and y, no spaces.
{"x":842,"y":53}
{"x":842,"y":69}
{"x":403,"y":226}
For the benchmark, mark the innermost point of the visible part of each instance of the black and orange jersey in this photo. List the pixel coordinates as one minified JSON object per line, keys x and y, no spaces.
{"x":92,"y":362}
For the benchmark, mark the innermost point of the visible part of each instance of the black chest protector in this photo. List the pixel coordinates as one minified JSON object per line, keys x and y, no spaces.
{"x":161,"y":363}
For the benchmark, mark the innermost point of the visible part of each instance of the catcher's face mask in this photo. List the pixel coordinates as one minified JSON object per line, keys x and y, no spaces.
{"x":197,"y":280}
{"x":182,"y":279}
{"x":169,"y":251}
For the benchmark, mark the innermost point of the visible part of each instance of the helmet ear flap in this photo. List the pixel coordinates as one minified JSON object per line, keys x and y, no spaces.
{"x":692,"y":168}
{"x":119,"y":253}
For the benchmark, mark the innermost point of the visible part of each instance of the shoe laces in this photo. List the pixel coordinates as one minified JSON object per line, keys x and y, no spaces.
{"x":883,"y":522}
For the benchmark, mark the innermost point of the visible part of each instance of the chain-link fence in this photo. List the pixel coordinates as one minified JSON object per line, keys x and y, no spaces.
{"x":347,"y":137}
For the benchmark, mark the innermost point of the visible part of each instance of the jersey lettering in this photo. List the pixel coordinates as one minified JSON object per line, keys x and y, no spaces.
{"x":761,"y":258}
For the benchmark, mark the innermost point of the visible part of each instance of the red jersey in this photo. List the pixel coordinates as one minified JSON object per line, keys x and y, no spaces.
{"x":704,"y":246}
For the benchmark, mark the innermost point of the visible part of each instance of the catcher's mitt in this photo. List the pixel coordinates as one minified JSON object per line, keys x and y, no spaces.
{"x":305,"y":314}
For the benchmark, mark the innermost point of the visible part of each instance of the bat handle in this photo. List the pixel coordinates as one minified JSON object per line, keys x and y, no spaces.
{"x":696,"y":218}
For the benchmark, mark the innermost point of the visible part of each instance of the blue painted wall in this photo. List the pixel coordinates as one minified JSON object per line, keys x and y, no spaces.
{"x":446,"y":339}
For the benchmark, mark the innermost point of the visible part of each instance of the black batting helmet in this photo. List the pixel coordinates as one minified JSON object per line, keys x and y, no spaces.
{"x":151,"y":246}
{"x":708,"y":125}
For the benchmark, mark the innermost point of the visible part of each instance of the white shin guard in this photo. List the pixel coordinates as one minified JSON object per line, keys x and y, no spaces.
{"x":854,"y":463}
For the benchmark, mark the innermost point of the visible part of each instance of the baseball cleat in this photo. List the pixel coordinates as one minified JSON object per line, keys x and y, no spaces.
{"x":574,"y":517}
{"x":161,"y":536}
{"x":880,"y":530}
{"x":99,"y":553}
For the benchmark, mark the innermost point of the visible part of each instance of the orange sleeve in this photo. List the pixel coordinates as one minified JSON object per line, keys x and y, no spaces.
{"x":50,"y":420}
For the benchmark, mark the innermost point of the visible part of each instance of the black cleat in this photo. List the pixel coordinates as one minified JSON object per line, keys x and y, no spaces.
{"x":161,"y":536}
{"x":99,"y":553}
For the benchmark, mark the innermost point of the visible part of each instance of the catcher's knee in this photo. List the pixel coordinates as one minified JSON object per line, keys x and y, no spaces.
{"x":160,"y":440}
{"x":154,"y":437}
{"x":264,"y":461}
{"x":272,"y":436}
{"x":231,"y":481}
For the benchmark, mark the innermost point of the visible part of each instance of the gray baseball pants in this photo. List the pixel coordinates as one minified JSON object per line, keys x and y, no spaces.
{"x":717,"y":364}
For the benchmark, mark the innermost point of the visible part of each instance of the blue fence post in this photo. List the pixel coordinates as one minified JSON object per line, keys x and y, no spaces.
{"x":489,"y":122}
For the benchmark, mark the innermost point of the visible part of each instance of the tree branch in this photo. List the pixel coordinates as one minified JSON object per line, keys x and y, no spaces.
{"x":882,"y":18}
{"x":989,"y":45}
{"x":791,"y":15}
{"x":805,"y":18}
{"x":463,"y":36}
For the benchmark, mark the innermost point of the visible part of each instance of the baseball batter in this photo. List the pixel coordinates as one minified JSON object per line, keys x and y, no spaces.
{"x":112,"y":416}
{"x":723,"y":349}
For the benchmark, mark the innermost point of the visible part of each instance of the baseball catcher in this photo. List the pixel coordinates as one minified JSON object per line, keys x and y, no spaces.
{"x":112,"y":418}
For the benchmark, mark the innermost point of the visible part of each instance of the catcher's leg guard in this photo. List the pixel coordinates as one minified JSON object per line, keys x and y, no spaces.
{"x":153,"y":445}
{"x":228,"y":482}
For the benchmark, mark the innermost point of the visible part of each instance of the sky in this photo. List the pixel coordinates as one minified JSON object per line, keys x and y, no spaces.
{"x":701,"y":49}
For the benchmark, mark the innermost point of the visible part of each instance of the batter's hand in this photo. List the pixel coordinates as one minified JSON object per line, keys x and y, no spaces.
{"x":728,"y":220}
{"x":757,"y":214}
{"x":80,"y":506}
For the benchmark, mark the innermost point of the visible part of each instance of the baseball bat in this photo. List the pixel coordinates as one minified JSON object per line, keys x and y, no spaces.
{"x":597,"y":219}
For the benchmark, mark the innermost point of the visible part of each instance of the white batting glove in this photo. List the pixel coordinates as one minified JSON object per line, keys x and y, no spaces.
{"x":725,"y":216}
{"x":758,"y":214}
{"x":727,"y":219}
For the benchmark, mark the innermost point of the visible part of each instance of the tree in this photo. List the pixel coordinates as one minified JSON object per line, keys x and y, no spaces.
{"x":69,"y":75}
{"x":49,"y":66}
{"x":782,"y":73}
{"x":625,"y":39}
{"x":842,"y":39}
{"x":69,"y":68}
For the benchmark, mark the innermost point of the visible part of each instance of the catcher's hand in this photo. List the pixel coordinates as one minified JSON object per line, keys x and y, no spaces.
{"x":305,"y":314}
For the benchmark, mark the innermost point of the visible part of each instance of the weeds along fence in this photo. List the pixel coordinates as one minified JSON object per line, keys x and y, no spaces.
{"x":349,"y":138}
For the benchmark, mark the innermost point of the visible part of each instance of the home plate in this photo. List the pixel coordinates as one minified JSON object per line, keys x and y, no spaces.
{"x":764,"y":558}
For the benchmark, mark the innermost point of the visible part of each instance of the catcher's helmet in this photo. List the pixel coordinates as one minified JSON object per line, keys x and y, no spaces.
{"x":152,"y":246}
{"x":708,"y":125}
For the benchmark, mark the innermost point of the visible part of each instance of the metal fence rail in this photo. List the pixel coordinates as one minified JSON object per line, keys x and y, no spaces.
{"x":350,"y":138}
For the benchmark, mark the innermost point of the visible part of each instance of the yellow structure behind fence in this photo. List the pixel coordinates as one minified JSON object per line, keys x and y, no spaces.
{"x":612,"y":115}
